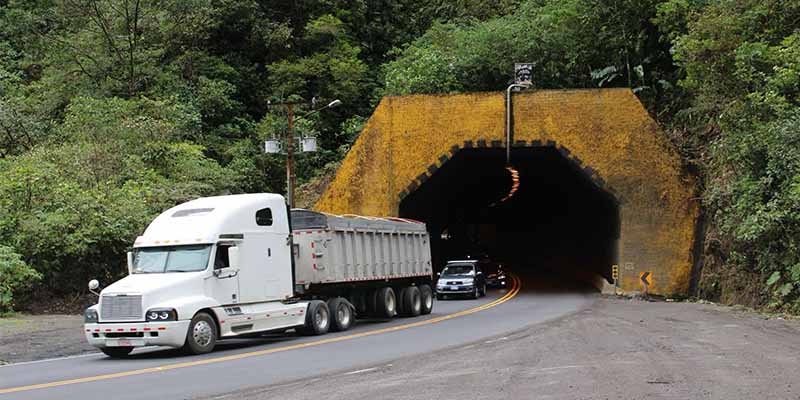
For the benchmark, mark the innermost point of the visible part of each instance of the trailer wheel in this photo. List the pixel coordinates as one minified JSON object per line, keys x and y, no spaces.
{"x":385,"y":302}
{"x":359,"y":300}
{"x":117,"y":352}
{"x":202,"y":334}
{"x":341,"y":314}
{"x":426,"y":299}
{"x":411,"y":301}
{"x":401,"y":307}
{"x":318,"y":319}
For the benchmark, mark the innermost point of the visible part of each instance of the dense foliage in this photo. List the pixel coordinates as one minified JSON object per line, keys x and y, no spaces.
{"x":15,"y":276}
{"x":111,"y":110}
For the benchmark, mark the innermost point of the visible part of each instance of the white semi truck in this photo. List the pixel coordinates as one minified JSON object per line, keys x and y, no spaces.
{"x":228,"y":266}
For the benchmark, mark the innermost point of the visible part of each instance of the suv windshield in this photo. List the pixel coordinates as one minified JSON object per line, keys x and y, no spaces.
{"x":456,"y":270}
{"x":156,"y":260}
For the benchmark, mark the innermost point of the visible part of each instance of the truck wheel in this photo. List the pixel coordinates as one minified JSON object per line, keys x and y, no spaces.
{"x":117,"y":352}
{"x":411,"y":301}
{"x":318,"y":319}
{"x":359,"y":301}
{"x":202,"y":334}
{"x":483,"y":291}
{"x":385,"y":303}
{"x":476,"y":293}
{"x":341,"y":314}
{"x":426,"y":299}
{"x":371,"y":302}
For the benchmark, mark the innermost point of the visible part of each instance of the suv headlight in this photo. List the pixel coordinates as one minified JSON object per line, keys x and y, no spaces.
{"x":161,"y":314}
{"x":90,"y":316}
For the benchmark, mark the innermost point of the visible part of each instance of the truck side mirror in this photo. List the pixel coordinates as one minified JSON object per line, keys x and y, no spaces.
{"x":233,"y":257}
{"x":93,"y":285}
{"x":130,"y":263}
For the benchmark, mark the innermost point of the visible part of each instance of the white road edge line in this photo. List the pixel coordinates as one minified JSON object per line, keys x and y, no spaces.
{"x":360,"y":371}
{"x":64,"y":358}
{"x":49,"y":359}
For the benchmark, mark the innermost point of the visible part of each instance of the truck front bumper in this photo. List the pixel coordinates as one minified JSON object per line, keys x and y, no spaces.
{"x":137,"y":334}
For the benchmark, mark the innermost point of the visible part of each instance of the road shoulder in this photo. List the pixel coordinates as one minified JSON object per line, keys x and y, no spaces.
{"x":616,"y":348}
{"x":25,"y":337}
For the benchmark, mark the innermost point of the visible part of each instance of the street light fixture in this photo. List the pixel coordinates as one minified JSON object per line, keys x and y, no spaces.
{"x":509,"y":127}
{"x":307,"y":144}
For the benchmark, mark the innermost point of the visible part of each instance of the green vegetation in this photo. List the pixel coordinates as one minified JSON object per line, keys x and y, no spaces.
{"x":112,"y":110}
{"x":15,"y":276}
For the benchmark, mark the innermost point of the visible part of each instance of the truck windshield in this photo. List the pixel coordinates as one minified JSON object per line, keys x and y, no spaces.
{"x":156,"y":260}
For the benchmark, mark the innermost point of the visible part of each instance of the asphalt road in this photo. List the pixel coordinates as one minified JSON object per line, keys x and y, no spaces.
{"x":251,"y":363}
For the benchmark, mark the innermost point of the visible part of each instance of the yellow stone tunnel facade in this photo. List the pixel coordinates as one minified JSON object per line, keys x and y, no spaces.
{"x":606,"y":132}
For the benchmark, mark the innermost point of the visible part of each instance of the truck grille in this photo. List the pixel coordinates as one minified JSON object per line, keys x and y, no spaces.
{"x":121,"y":308}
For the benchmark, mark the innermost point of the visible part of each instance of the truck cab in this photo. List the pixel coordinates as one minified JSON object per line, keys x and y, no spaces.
{"x":219,"y":258}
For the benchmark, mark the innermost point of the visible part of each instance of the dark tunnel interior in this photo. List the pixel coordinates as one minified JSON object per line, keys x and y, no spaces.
{"x":558,"y":221}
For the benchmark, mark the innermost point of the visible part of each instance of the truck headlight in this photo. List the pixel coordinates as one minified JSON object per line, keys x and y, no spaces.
{"x":90,"y":316}
{"x":161,"y":314}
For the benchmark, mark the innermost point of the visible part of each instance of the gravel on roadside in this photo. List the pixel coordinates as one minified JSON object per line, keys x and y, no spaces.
{"x":25,"y":337}
{"x":616,"y":349}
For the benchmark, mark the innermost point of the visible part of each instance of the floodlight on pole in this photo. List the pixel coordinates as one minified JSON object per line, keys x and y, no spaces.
{"x":308,"y":144}
{"x":272,"y":146}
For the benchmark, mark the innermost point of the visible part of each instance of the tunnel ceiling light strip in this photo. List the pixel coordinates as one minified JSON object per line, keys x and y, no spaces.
{"x":514,"y":183}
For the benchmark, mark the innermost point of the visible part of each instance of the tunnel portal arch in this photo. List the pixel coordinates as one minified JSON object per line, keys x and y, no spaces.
{"x":605,"y":137}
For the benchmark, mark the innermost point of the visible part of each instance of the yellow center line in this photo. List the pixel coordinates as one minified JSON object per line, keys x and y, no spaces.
{"x":515,"y":287}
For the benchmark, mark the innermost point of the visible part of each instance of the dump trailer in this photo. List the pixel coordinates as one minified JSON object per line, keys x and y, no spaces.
{"x":231,"y":266}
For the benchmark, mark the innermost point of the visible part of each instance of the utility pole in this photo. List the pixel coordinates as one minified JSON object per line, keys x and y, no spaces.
{"x":290,"y":156}
{"x":272,"y":146}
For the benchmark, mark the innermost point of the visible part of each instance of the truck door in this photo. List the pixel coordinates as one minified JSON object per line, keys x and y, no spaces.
{"x":225,"y":284}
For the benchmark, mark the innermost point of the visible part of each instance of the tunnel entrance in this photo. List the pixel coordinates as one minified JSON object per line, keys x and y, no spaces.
{"x":558,"y":221}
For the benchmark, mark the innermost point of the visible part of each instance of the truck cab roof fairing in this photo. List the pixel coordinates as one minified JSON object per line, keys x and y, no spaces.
{"x":206,"y":218}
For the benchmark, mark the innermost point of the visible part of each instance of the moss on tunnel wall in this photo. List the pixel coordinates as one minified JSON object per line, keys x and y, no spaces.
{"x":606,"y":132}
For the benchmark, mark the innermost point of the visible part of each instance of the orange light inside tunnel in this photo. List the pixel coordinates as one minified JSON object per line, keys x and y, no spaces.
{"x":514,"y":183}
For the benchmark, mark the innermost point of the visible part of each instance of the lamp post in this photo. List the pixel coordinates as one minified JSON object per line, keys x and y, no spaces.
{"x":273,"y":146}
{"x":523,"y":79}
{"x":509,"y":127}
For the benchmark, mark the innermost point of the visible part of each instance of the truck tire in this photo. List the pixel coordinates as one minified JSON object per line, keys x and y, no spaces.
{"x":426,"y":299}
{"x":401,"y":307}
{"x":117,"y":352}
{"x":476,"y":293}
{"x":483,"y":290}
{"x":371,"y":302}
{"x":318,"y":319}
{"x":359,"y":300}
{"x":411,"y":301}
{"x":341,"y":314}
{"x":202,"y":334}
{"x":385,"y":303}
